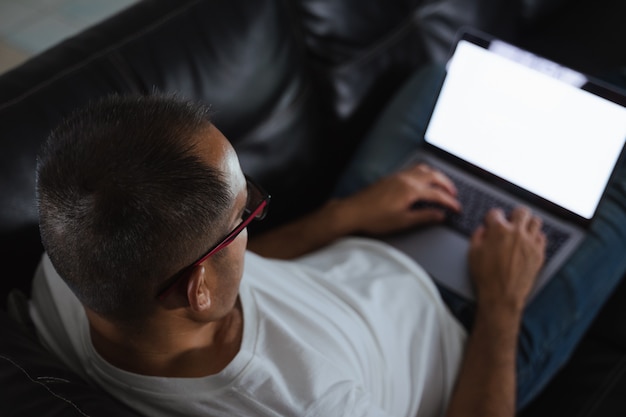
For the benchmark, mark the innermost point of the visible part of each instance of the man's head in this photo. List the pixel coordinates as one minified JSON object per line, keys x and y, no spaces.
{"x":131,"y":190}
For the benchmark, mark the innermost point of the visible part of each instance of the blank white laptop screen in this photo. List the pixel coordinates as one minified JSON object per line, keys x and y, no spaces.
{"x":521,"y":122}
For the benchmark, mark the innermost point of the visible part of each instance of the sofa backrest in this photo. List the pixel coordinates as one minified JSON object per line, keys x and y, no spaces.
{"x":239,"y":56}
{"x":293,"y":85}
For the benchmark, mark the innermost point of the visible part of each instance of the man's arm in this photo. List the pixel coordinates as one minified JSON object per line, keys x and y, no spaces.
{"x":487,"y":381}
{"x":505,"y":257}
{"x":383,"y":207}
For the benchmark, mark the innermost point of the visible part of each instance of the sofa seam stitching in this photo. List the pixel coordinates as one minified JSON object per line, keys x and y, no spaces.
{"x":45,"y":386}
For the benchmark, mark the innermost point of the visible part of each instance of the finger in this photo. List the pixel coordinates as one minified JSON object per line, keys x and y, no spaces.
{"x":441,"y":197}
{"x":419,"y":169}
{"x":542,"y":240}
{"x":439,"y":179}
{"x":478,"y":235}
{"x":434,"y":177}
{"x":521,"y":215}
{"x":535,"y":224}
{"x":494,"y":217}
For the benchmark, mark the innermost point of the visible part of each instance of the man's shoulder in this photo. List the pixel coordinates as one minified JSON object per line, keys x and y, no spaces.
{"x":58,"y":316}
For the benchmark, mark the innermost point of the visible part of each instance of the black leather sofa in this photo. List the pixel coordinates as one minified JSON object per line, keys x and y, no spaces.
{"x":294,"y":84}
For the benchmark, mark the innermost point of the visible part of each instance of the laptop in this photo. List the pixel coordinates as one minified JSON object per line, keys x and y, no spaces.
{"x":510,"y":128}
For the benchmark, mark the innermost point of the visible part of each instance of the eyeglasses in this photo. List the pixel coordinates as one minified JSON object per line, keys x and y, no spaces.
{"x":257,"y":204}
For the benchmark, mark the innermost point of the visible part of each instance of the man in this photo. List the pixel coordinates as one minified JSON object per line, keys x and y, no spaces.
{"x":143,"y":208}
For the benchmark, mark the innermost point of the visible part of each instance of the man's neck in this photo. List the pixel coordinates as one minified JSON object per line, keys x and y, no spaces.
{"x":172,"y":347}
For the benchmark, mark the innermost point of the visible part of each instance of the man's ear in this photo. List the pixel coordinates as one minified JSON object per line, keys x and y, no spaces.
{"x":198,"y":292}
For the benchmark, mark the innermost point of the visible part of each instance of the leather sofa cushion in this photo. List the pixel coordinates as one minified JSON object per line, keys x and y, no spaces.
{"x":40,"y":385}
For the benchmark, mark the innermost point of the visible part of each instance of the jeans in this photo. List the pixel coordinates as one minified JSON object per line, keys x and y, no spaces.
{"x":558,"y":317}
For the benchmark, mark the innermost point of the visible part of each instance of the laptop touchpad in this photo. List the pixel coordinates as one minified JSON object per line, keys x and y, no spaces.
{"x":437,"y":250}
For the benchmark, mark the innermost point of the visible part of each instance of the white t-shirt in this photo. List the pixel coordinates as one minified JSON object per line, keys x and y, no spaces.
{"x":355,"y":329}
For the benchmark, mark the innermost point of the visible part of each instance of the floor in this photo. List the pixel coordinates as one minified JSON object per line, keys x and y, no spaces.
{"x":28,"y":27}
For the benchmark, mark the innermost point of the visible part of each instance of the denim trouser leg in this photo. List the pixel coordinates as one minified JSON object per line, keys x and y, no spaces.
{"x":558,"y":317}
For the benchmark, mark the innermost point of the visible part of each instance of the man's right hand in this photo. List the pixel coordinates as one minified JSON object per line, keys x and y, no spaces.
{"x":505,"y":257}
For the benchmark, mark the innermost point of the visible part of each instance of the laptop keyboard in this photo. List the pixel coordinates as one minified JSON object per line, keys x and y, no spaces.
{"x":476,"y":203}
